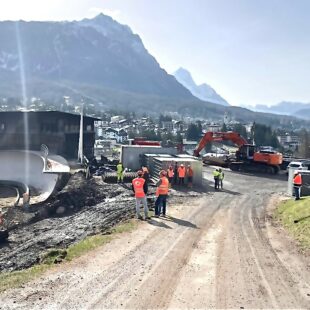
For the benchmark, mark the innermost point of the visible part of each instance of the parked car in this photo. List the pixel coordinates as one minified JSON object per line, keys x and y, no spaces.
{"x":299,"y":165}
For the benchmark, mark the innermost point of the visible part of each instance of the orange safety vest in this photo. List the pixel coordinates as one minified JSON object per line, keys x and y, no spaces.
{"x":181,"y":172}
{"x":297,"y":180}
{"x":190,"y":172}
{"x":138,"y":187}
{"x":170,"y":173}
{"x":163,"y":188}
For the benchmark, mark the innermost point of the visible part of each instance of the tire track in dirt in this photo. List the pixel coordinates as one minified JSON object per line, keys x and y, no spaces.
{"x":163,"y":275}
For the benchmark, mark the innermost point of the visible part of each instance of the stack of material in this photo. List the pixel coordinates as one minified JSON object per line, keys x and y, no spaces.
{"x":131,"y":155}
{"x":163,"y":163}
{"x":148,"y":160}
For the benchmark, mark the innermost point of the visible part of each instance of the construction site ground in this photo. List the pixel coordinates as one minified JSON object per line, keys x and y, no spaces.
{"x":215,"y":250}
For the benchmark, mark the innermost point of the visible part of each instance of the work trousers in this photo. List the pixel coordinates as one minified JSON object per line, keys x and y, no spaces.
{"x":220,"y":183}
{"x":181,"y":181}
{"x":139,"y":201}
{"x":216,"y":182}
{"x":297,"y":190}
{"x":120,"y":176}
{"x":160,"y":201}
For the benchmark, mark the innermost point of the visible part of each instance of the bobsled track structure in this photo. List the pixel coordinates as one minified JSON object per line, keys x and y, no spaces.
{"x":28,"y":172}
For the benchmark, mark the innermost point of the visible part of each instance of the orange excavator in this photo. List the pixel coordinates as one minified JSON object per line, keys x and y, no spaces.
{"x":248,"y":158}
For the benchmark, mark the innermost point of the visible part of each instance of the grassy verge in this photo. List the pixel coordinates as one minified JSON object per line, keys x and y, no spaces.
{"x":18,"y":278}
{"x":295,"y":216}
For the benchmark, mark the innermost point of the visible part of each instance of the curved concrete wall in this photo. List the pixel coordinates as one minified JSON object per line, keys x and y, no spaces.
{"x":12,"y":167}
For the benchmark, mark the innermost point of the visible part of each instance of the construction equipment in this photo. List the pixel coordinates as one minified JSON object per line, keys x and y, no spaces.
{"x":248,"y":157}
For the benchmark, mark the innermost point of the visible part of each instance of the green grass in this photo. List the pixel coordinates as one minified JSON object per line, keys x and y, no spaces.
{"x":18,"y":278}
{"x":295,"y":216}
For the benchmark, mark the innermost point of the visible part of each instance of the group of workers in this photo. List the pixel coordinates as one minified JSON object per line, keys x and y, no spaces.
{"x":139,"y":186}
{"x":218,"y":176}
{"x":173,"y":175}
{"x":178,"y":174}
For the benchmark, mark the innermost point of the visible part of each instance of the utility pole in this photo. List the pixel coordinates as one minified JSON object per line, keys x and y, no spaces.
{"x":80,"y":150}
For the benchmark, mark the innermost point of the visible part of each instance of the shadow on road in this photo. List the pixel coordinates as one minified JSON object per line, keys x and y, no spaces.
{"x":180,"y":222}
{"x":159,"y":224}
{"x":227,"y":191}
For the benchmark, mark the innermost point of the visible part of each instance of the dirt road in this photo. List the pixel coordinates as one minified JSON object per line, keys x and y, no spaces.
{"x":219,"y":251}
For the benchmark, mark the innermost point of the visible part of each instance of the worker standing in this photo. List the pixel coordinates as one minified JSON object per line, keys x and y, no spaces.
{"x":181,"y":174}
{"x":297,"y":183}
{"x":138,"y":186}
{"x":216,"y":175}
{"x":120,"y":172}
{"x":176,"y":173}
{"x":161,"y":193}
{"x":190,"y":174}
{"x":170,"y":174}
{"x":221,"y":178}
{"x":146,"y":177}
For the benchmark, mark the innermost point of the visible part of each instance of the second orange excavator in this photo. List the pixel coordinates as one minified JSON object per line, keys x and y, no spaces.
{"x":248,"y":157}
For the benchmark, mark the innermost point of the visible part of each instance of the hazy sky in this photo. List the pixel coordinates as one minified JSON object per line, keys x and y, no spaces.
{"x":250,"y":51}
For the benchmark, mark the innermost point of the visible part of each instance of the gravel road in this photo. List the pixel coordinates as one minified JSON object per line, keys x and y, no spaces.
{"x":217,"y":251}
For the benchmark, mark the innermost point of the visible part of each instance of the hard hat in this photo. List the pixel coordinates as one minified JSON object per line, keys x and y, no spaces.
{"x":182,"y":165}
{"x":163,"y":172}
{"x":296,"y":172}
{"x":140,"y":173}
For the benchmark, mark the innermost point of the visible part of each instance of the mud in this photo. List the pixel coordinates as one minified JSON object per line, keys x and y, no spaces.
{"x":82,"y":208}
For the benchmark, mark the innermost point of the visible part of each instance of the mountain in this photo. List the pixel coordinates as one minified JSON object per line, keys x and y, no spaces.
{"x":303,"y":113}
{"x":105,"y":64}
{"x":99,"y":52}
{"x":284,"y":107}
{"x":203,"y":91}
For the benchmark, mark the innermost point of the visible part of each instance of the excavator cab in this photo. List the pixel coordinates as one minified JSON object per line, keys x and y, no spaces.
{"x":245,"y":152}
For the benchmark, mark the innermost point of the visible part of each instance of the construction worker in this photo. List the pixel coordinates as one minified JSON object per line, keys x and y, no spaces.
{"x":216,"y":175}
{"x":297,"y":183}
{"x":175,"y":173}
{"x":138,"y":186}
{"x":146,"y":177}
{"x":181,"y":174}
{"x":120,"y":172}
{"x":190,"y":174}
{"x":221,"y":178}
{"x":161,"y":193}
{"x":170,"y":174}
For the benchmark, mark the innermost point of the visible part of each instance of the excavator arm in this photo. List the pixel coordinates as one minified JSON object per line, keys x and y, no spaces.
{"x":208,"y":137}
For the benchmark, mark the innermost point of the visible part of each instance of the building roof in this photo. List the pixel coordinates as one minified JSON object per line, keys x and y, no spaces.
{"x":47,"y":112}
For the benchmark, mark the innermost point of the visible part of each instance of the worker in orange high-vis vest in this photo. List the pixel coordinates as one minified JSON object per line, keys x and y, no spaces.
{"x":181,"y":174}
{"x":190,"y":174}
{"x":297,"y":183}
{"x":138,"y":186}
{"x":170,"y":174}
{"x":161,"y":193}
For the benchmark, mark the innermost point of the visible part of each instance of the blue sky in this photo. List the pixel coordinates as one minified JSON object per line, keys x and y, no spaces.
{"x":251,"y":52}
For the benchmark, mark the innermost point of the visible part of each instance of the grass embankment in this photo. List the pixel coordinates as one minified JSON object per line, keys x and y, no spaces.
{"x":48,"y":260}
{"x":295,"y":216}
